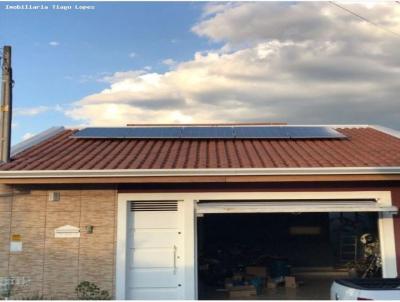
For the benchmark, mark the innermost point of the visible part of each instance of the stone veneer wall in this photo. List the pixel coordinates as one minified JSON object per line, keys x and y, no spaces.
{"x":56,"y":265}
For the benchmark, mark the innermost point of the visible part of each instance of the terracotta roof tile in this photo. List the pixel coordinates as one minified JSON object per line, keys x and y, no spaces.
{"x":365,"y":147}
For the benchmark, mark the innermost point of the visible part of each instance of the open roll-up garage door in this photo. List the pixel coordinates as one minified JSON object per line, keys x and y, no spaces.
{"x":292,"y":206}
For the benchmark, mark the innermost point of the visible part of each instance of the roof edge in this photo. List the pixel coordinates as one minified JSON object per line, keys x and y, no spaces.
{"x":386,"y":130}
{"x":198,"y":172}
{"x":36,"y":139}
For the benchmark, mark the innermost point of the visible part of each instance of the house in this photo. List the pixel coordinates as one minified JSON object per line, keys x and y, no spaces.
{"x":133,"y":209}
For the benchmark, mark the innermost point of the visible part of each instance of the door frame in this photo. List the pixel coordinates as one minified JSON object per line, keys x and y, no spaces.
{"x":385,"y":226}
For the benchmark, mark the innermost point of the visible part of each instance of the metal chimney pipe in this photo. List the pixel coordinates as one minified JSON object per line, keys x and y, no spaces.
{"x":6,"y":106}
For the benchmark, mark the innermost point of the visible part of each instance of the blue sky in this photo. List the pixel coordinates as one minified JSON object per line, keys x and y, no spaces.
{"x":180,"y":62}
{"x":88,"y":44}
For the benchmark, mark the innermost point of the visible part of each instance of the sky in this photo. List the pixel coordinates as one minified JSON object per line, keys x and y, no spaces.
{"x":198,"y":62}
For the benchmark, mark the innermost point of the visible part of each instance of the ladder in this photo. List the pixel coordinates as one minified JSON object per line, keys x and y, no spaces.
{"x":348,"y":248}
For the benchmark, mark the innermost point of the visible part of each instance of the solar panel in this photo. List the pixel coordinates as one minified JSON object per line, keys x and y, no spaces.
{"x":313,"y":132}
{"x":208,"y":132}
{"x":260,"y":132}
{"x":125,"y":132}
{"x":212,"y":132}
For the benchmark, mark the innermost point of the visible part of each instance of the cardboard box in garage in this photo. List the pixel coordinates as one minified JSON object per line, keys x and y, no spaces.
{"x":258,"y":271}
{"x":290,"y":282}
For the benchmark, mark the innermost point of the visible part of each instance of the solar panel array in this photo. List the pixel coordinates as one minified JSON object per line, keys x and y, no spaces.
{"x":211,"y":132}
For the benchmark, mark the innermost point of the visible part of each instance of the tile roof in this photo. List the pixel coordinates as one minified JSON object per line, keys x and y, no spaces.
{"x":365,"y":147}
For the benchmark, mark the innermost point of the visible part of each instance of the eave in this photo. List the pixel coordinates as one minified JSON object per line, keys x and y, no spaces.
{"x":201,"y":175}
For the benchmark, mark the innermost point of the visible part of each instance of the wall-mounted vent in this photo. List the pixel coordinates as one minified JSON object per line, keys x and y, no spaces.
{"x":54,"y":196}
{"x":147,"y":206}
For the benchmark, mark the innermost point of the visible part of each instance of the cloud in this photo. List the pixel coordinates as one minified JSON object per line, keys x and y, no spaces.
{"x":254,"y":22}
{"x":54,"y":43}
{"x":33,"y":111}
{"x":30,"y":111}
{"x":169,"y":62}
{"x":97,"y":77}
{"x":279,"y":62}
{"x":132,"y":55}
{"x":122,"y":114}
{"x":27,"y":135}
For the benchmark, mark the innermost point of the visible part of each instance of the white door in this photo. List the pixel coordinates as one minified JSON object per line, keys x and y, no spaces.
{"x":155,"y":250}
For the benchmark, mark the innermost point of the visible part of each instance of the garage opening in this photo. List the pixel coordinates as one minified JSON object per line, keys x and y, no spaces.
{"x":289,"y":255}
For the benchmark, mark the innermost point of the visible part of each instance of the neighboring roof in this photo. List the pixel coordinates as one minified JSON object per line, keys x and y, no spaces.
{"x":365,"y":147}
{"x":36,"y":139}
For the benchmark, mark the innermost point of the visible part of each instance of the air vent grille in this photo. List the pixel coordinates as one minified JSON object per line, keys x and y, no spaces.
{"x":156,"y":205}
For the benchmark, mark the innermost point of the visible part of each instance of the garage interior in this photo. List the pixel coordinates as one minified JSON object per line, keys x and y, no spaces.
{"x":279,"y":255}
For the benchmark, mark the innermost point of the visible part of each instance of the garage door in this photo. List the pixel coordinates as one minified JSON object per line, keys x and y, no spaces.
{"x":155,"y":250}
{"x":292,"y":205}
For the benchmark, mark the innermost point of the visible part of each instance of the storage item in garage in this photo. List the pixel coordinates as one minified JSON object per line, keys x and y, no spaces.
{"x":271,"y":284}
{"x":242,"y":292}
{"x":228,"y":283}
{"x":290,"y":282}
{"x":258,"y":271}
{"x":239,"y":280}
{"x":258,"y":283}
{"x":237,"y":277}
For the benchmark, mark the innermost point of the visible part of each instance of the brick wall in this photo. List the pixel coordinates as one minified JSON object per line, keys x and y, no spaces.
{"x":56,"y":265}
{"x":5,"y":221}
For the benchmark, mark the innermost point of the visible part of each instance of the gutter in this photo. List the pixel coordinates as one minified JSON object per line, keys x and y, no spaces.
{"x":199,"y":172}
